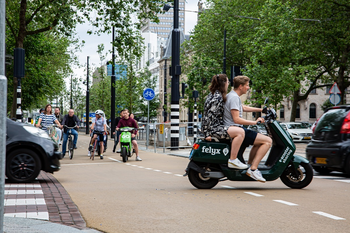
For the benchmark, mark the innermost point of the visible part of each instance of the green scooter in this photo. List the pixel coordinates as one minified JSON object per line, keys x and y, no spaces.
{"x":125,"y":143}
{"x":208,"y":160}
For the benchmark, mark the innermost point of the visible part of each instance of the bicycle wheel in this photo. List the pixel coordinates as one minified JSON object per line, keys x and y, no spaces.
{"x":70,"y":148}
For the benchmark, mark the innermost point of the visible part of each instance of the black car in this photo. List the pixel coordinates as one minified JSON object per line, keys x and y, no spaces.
{"x":329,"y":149}
{"x":29,"y":150}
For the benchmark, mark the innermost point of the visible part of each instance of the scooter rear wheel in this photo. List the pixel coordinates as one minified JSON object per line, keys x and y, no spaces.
{"x":200,"y":182}
{"x":300,"y":180}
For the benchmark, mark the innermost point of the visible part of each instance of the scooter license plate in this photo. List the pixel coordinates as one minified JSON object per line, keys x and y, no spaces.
{"x":321,"y":160}
{"x":307,"y":138}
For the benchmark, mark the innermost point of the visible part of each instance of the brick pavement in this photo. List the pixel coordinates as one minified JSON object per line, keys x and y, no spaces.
{"x":45,"y":199}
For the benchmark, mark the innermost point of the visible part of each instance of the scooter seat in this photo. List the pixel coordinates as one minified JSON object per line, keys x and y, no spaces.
{"x":214,"y":139}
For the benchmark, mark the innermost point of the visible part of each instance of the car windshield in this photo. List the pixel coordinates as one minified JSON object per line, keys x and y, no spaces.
{"x":296,"y":126}
{"x":331,"y":120}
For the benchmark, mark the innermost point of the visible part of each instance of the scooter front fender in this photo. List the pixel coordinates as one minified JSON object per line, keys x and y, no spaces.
{"x":297,"y":159}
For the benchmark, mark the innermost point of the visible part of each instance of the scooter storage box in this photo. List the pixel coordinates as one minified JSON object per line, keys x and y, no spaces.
{"x":207,"y":150}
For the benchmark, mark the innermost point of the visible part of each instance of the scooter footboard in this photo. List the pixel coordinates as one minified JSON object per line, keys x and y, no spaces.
{"x":203,"y":171}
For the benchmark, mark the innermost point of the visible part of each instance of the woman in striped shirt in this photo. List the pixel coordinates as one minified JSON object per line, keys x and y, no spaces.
{"x":47,"y":119}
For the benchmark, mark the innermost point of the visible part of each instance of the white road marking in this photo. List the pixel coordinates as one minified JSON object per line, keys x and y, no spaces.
{"x":178,"y":175}
{"x":134,"y":165}
{"x":254,"y":194}
{"x":36,"y":215}
{"x":148,"y":168}
{"x":27,"y":201}
{"x":115,"y":160}
{"x":286,"y":202}
{"x":168,"y":173}
{"x":22,"y":186}
{"x":345,"y":181}
{"x":327,"y":215}
{"x":16,"y":192}
{"x":141,"y":167}
{"x":328,"y":177}
{"x":74,"y":164}
{"x":157,"y":170}
{"x":228,"y":187}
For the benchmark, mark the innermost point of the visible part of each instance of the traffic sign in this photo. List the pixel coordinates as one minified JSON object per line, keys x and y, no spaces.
{"x":161,"y":128}
{"x":334,"y":89}
{"x":148,"y":94}
{"x":334,"y":99}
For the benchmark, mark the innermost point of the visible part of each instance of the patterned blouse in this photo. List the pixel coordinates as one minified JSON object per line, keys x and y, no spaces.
{"x":212,"y":122}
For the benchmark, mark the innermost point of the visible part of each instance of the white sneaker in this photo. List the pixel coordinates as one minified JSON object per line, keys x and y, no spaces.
{"x":237,"y":164}
{"x":256,"y":175}
{"x":138,"y":158}
{"x":89,"y":153}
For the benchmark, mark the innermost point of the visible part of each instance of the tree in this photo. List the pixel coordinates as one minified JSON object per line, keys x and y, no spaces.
{"x":26,"y":18}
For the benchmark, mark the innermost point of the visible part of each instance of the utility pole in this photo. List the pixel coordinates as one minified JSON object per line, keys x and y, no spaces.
{"x":175,"y":81}
{"x":3,"y":110}
{"x":113,"y":89}
{"x":87,"y":117}
{"x":71,"y":92}
{"x":224,"y":59}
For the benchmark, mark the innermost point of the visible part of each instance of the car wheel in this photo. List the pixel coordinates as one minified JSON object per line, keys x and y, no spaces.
{"x":22,"y":166}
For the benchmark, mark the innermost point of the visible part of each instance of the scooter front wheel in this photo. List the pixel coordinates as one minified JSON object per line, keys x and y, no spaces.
{"x":200,"y":182}
{"x":297,"y":178}
{"x":124,"y":154}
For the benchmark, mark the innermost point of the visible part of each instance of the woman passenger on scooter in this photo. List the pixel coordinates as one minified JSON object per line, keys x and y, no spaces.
{"x":212,"y":123}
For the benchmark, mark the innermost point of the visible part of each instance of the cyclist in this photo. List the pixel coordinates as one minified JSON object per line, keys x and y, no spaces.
{"x":42,"y":110}
{"x":126,"y":121}
{"x":99,"y":128}
{"x":70,"y":120}
{"x":59,"y":117}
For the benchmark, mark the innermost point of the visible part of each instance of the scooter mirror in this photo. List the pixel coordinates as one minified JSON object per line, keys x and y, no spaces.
{"x":266,"y":100}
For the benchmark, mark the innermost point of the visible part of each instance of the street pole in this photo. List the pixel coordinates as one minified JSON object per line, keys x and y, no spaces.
{"x":165,"y":94}
{"x":176,"y":72}
{"x":3,"y":111}
{"x":71,"y":92}
{"x":87,"y":114}
{"x":113,"y":89}
{"x":224,"y":60}
{"x":18,"y":71}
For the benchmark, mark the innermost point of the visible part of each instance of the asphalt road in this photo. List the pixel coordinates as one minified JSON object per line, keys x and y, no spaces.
{"x":153,"y":196}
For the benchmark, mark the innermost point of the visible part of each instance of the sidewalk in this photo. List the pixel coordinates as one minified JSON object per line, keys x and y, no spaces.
{"x":44,"y":206}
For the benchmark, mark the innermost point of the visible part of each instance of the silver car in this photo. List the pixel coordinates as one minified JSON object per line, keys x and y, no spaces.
{"x":298,"y":131}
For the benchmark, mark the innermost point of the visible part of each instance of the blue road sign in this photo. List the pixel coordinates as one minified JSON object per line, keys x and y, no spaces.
{"x":148,"y":94}
{"x":334,"y":99}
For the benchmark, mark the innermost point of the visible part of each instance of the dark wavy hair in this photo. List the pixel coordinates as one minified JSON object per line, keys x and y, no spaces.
{"x":218,"y":82}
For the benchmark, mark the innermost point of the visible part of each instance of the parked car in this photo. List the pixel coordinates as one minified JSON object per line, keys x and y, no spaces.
{"x":329,"y":149}
{"x":297,"y":131}
{"x":29,"y":150}
{"x":307,"y":124}
{"x":258,"y":128}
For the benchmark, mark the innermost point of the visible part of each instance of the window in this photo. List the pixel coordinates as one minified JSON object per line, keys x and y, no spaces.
{"x":297,"y":115}
{"x":312,"y":111}
{"x":313,"y":91}
{"x":282,"y":112}
{"x":328,"y":89}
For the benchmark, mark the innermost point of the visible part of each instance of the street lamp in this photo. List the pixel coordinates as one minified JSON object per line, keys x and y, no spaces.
{"x":175,"y":72}
{"x":87,"y":114}
{"x":113,"y":88}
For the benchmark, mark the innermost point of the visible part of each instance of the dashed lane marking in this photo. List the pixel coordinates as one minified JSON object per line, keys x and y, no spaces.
{"x":254,"y":194}
{"x":328,"y":215}
{"x":286,"y":202}
{"x":178,"y":175}
{"x":345,"y":181}
{"x":328,"y":177}
{"x":228,"y":187}
{"x":169,"y":173}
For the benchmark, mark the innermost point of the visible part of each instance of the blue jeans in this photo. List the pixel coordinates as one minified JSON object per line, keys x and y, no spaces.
{"x":65,"y":138}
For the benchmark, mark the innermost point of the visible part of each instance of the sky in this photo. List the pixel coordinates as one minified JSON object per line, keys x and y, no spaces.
{"x":92,"y":41}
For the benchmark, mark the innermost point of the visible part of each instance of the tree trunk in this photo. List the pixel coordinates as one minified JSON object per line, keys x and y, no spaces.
{"x":341,"y":75}
{"x":294,"y":105}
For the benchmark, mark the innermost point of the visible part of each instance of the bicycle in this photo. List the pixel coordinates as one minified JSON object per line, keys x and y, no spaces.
{"x":70,"y":141}
{"x":96,"y":146}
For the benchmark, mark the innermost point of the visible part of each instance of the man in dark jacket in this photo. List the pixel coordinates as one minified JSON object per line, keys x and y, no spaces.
{"x":70,"y":120}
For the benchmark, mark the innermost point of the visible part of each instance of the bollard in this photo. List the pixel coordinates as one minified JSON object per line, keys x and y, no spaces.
{"x":154,"y":137}
{"x":3,"y":110}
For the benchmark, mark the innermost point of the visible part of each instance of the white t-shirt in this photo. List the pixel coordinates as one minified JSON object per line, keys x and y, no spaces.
{"x":99,"y":123}
{"x":232,"y":102}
